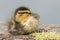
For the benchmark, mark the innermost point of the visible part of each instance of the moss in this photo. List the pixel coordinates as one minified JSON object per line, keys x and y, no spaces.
{"x":46,"y":36}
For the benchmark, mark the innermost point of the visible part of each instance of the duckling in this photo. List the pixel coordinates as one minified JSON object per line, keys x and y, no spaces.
{"x":23,"y":21}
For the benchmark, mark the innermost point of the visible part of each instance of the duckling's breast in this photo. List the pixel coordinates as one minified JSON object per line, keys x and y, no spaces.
{"x":30,"y":24}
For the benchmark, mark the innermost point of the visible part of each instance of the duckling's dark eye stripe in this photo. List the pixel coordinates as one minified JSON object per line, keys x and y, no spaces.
{"x":24,"y":13}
